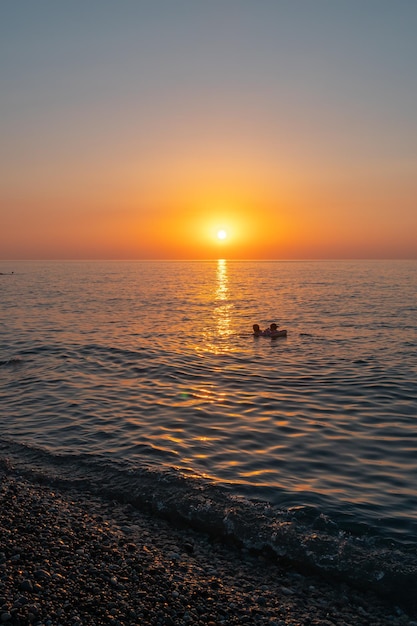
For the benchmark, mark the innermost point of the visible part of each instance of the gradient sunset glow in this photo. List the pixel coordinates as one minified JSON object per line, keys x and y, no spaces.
{"x":142,"y":129}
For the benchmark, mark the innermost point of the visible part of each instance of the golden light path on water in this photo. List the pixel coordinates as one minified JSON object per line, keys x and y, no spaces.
{"x":219,"y":330}
{"x":222,"y":312}
{"x":182,"y":441}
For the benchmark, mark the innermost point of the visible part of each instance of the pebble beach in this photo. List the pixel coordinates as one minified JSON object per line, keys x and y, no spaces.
{"x":68,"y":559}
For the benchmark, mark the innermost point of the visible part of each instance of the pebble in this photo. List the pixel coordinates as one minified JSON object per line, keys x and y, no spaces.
{"x":26,"y":585}
{"x":287,"y":591}
{"x":41,"y":574}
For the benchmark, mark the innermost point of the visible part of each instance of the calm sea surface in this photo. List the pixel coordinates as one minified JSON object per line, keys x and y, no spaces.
{"x":153,"y":365}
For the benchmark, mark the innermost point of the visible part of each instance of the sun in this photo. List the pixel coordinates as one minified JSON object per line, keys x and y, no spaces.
{"x":221,"y":234}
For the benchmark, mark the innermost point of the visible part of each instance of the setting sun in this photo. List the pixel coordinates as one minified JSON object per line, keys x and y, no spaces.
{"x":221,"y":234}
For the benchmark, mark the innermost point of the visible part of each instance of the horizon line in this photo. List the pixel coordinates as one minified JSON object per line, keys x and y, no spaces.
{"x":195,"y":260}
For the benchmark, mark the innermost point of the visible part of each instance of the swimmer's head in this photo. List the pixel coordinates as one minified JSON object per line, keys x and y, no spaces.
{"x":273,"y":326}
{"x":256,"y":328}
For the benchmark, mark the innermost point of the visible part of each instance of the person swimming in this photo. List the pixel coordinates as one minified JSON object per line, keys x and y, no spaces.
{"x":258,"y":332}
{"x":272,"y":331}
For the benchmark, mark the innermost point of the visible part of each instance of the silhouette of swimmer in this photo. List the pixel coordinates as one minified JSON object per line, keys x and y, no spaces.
{"x":272,"y":331}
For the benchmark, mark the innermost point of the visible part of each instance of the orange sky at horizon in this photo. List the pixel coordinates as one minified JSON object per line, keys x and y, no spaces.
{"x":292,"y":221}
{"x":139,"y":133}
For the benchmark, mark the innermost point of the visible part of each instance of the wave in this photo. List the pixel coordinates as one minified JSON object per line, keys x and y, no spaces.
{"x":301,"y":537}
{"x":13,"y":362}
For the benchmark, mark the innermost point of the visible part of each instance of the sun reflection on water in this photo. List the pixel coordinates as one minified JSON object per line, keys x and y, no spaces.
{"x":218,"y":329}
{"x":222,"y":280}
{"x":223,"y":306}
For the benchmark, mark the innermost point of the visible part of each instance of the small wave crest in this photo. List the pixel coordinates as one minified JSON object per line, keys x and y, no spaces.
{"x":13,"y":362}
{"x":302,"y":537}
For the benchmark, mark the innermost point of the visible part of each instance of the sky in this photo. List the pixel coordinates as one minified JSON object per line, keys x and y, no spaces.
{"x":138,"y":129}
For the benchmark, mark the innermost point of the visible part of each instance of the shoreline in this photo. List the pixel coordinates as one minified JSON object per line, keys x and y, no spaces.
{"x":71,"y":558}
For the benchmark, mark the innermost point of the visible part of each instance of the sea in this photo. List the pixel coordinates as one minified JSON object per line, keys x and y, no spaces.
{"x":142,"y":380}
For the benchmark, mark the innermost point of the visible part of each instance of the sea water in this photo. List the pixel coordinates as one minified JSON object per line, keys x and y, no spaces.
{"x":142,"y":370}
